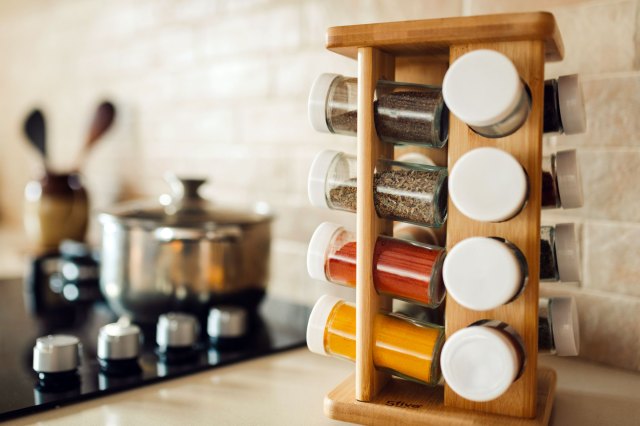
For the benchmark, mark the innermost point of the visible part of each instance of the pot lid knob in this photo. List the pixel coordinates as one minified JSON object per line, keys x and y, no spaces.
{"x":184,"y":194}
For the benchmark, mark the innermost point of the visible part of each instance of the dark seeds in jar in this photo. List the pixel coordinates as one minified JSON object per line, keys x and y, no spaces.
{"x":403,"y":117}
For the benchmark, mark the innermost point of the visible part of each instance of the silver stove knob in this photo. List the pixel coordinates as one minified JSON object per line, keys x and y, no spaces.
{"x":177,"y":330}
{"x":119,"y":340}
{"x":227,"y":322}
{"x":56,"y":353}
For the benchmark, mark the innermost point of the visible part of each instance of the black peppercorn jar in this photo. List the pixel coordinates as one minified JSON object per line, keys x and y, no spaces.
{"x":564,"y":106}
{"x":405,"y":192}
{"x":559,"y":253}
{"x":558,"y":326}
{"x":561,"y":181}
{"x":404,"y":113}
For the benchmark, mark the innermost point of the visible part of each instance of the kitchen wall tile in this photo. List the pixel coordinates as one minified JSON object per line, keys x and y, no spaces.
{"x":290,"y":279}
{"x":477,"y":7}
{"x":611,"y":254}
{"x":609,"y":179}
{"x":273,"y":29}
{"x":607,"y":334}
{"x":294,"y":73}
{"x":599,"y":36}
{"x":608,"y":44}
{"x":612,"y":105}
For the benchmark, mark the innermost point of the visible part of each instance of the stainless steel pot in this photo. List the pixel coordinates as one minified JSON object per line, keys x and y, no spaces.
{"x":184,"y":254}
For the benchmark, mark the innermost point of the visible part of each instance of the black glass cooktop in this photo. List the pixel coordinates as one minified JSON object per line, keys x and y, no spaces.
{"x":278,"y":326}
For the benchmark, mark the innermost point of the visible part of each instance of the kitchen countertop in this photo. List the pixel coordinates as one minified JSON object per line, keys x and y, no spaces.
{"x":289,"y":389}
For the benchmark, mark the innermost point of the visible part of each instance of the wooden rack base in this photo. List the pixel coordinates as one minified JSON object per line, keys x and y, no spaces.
{"x":407,"y":403}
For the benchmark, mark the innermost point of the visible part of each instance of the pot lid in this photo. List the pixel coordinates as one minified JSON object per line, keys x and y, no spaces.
{"x":184,"y":207}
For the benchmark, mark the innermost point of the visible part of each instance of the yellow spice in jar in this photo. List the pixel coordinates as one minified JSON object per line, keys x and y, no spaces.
{"x":402,"y":346}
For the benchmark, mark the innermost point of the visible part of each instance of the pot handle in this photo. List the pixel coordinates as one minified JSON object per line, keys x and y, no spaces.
{"x":167,"y":234}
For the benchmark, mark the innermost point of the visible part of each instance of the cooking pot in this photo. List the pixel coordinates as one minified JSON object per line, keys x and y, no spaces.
{"x":183,"y":254}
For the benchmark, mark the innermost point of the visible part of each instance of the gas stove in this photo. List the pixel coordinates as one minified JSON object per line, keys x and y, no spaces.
{"x":276,"y":327}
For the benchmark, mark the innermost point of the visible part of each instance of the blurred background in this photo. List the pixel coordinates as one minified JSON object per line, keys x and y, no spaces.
{"x":218,"y":88}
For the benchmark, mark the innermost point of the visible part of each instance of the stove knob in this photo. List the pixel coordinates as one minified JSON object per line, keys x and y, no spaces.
{"x":226,"y":324}
{"x":176,"y":330}
{"x":119,"y":341}
{"x":56,"y":354}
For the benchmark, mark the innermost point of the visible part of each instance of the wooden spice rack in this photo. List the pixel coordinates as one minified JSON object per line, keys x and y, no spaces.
{"x":419,"y":52}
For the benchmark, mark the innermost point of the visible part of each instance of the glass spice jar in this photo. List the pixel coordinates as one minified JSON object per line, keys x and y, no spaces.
{"x":483,"y":89}
{"x":482,"y":273}
{"x":558,"y":326}
{"x":564,"y":106}
{"x":561,"y":181}
{"x":402,"y":269}
{"x":404,"y":113}
{"x":488,"y":185}
{"x":402,"y":346}
{"x":481,"y":361}
{"x":559,"y":253}
{"x":553,"y":267}
{"x":406,"y":192}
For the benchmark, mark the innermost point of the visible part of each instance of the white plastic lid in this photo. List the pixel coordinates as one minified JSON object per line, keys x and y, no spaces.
{"x":318,"y":102}
{"x":482,"y":87}
{"x":482,"y":273}
{"x":318,"y":176}
{"x":318,"y":323}
{"x":567,"y":252}
{"x":488,"y":185}
{"x":571,"y":102}
{"x":479,"y":363}
{"x":566,"y":326}
{"x":569,"y":179}
{"x":317,"y":251}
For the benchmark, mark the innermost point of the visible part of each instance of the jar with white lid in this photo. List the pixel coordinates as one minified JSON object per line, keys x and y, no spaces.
{"x":406,"y":192}
{"x":482,"y":273}
{"x":480,"y":362}
{"x":558,"y":326}
{"x":559,"y":253}
{"x":564,"y":106}
{"x":561,"y":181}
{"x":488,"y":185}
{"x":483,"y":89}
{"x":401,"y":269}
{"x":402,"y":346}
{"x":404,"y":113}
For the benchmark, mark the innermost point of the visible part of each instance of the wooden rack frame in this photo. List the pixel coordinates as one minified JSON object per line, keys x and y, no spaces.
{"x":419,"y":52}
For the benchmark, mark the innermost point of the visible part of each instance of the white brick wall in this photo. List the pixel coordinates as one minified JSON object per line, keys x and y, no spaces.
{"x":219,"y":88}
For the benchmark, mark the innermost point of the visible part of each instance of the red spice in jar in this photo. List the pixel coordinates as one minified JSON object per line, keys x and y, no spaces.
{"x":403,"y":270}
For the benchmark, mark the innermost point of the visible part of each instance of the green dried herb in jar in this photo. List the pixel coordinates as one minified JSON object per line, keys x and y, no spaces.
{"x":405,"y":192}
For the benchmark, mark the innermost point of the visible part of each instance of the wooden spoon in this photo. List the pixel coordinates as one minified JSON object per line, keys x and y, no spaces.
{"x":102,"y":120}
{"x":35,"y":129}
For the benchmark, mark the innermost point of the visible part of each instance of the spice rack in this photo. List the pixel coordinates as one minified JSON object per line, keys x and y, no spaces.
{"x":419,"y":52}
